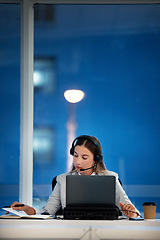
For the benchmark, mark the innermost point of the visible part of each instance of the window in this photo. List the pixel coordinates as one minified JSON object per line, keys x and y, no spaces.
{"x":9,"y":103}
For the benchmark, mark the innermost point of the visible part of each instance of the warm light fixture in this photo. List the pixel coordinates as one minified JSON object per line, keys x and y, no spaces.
{"x":73,"y":95}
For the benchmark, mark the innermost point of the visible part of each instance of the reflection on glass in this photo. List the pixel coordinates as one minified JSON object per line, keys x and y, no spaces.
{"x":43,"y":13}
{"x":44,"y":74}
{"x":43,"y":145}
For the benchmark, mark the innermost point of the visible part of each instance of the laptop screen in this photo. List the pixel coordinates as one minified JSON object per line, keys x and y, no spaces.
{"x":90,"y":191}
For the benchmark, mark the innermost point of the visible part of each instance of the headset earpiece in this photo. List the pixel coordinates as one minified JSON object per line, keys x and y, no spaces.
{"x":72,"y":150}
{"x":98,"y":158}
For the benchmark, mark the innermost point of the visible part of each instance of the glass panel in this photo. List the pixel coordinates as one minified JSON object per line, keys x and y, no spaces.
{"x":111,"y":52}
{"x":9,"y":103}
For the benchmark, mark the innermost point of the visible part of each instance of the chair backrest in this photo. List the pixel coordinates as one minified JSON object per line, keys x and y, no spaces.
{"x":54,"y":182}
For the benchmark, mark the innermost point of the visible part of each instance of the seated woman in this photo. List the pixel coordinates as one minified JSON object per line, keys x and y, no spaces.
{"x":87,"y":160}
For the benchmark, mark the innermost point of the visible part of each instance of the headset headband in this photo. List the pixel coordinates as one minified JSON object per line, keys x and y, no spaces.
{"x":98,"y":156}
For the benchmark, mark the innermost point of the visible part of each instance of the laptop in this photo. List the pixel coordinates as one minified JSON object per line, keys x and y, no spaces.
{"x":90,"y":197}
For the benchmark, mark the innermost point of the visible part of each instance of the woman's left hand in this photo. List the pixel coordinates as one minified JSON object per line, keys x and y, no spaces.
{"x":128,"y":210}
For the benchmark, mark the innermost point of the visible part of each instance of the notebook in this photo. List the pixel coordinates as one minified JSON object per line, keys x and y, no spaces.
{"x":90,"y":191}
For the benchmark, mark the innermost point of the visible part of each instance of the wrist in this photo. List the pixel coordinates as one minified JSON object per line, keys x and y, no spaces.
{"x":30,"y":210}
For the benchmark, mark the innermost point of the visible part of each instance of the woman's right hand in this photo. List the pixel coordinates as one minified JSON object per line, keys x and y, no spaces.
{"x":27,"y":209}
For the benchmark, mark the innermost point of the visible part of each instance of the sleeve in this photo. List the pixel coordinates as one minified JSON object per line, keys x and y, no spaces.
{"x":53,"y":203}
{"x":121,"y":196}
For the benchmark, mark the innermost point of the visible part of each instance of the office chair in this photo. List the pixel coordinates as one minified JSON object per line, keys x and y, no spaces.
{"x":54,"y":181}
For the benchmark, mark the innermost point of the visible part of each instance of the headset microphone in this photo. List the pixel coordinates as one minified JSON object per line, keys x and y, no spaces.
{"x":84,"y":169}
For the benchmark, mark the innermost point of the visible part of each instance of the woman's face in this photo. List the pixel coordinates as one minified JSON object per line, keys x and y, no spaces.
{"x":83,"y":158}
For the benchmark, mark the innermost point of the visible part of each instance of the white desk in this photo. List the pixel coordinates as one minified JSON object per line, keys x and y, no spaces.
{"x":83,"y":229}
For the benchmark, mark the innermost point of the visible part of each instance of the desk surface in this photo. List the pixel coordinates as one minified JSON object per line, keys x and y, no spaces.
{"x":78,"y":229}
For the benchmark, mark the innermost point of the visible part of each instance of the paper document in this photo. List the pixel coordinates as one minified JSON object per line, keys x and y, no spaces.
{"x":22,"y":214}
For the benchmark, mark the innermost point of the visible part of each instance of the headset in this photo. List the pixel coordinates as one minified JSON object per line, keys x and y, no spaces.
{"x":98,"y":156}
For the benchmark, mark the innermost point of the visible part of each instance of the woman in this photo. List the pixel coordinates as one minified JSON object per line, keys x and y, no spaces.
{"x":87,"y":160}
